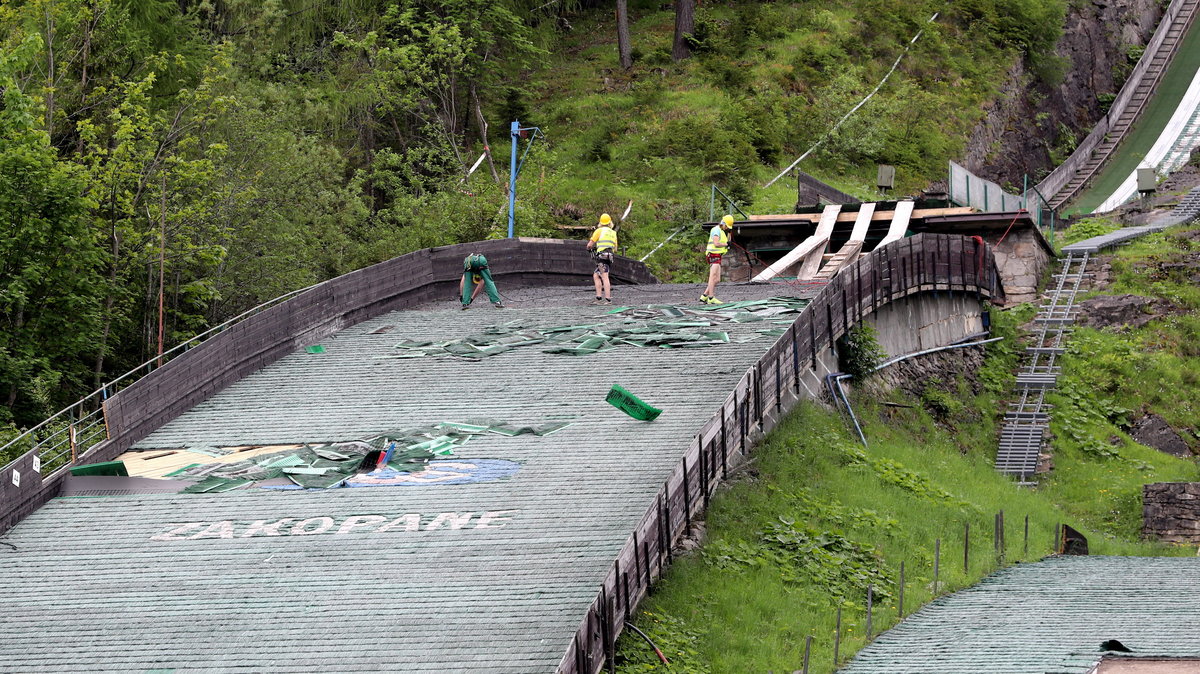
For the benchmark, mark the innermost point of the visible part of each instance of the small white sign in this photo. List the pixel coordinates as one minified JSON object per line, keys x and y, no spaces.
{"x":37,"y":464}
{"x":16,"y":478}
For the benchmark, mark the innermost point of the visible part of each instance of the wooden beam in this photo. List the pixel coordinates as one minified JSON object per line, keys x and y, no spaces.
{"x":900,"y":220}
{"x":800,"y":254}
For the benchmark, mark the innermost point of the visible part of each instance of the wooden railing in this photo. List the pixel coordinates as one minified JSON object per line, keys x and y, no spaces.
{"x":768,"y":389}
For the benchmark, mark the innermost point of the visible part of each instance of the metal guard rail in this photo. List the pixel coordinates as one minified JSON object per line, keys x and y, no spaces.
{"x":71,"y":431}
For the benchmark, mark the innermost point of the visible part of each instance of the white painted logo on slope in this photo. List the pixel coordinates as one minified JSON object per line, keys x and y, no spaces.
{"x":341,"y":526}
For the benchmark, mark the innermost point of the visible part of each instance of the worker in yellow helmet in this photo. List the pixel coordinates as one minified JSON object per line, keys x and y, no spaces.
{"x":603,"y":245}
{"x":718,"y":245}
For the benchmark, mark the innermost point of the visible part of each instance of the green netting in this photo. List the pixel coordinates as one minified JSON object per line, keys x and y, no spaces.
{"x":214,"y":484}
{"x":630,"y":404}
{"x":316,"y":348}
{"x":105,"y":468}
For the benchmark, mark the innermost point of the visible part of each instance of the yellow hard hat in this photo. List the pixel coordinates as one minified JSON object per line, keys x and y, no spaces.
{"x":604,"y":219}
{"x":727,"y":221}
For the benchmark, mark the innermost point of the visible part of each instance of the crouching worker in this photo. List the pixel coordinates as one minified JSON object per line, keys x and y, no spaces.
{"x":476,"y":274}
{"x":603,"y":245}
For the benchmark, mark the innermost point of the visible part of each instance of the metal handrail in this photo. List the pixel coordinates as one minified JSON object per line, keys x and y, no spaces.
{"x":52,"y":451}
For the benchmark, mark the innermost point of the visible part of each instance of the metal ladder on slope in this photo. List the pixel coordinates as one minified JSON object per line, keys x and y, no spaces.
{"x":1025,"y":423}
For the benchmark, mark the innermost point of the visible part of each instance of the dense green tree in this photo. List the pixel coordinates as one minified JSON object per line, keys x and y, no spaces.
{"x":50,"y":260}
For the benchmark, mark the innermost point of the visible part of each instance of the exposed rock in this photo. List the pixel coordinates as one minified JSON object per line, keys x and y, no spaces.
{"x":693,"y":539}
{"x":1121,"y":311}
{"x":1154,"y":431}
{"x":1029,"y":119}
{"x":913,"y":375}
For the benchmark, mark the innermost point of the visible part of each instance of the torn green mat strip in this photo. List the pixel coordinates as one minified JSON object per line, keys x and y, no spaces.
{"x":181,"y":470}
{"x":106,"y":468}
{"x":617,"y":310}
{"x":463,"y":428}
{"x":315,"y":348}
{"x":568,"y":328}
{"x":630,"y":404}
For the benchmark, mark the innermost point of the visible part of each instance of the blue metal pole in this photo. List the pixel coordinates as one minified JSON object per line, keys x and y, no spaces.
{"x":514,"y":133}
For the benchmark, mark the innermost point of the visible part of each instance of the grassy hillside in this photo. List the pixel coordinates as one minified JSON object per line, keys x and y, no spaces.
{"x":818,"y":517}
{"x":767,"y":82}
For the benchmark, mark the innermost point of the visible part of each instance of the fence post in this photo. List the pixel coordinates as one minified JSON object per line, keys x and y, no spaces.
{"x":870,"y":607}
{"x":937,"y":558}
{"x":795,"y":361}
{"x":966,"y":546}
{"x":724,"y":449}
{"x":778,"y":385}
{"x":687,"y":494}
{"x":1000,"y":519}
{"x":1026,"y":536}
{"x":807,"y":650}
{"x":837,"y":636}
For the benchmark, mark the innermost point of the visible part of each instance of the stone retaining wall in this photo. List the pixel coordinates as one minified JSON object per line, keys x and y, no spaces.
{"x":1171,"y":511}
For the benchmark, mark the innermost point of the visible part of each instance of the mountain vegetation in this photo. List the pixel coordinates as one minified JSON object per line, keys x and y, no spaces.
{"x":169,"y":164}
{"x":817,"y":518}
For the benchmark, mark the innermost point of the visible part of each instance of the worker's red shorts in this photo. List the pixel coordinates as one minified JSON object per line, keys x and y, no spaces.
{"x":713,"y":258}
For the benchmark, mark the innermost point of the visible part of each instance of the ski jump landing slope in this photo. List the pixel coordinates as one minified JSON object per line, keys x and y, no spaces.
{"x":496,"y":567}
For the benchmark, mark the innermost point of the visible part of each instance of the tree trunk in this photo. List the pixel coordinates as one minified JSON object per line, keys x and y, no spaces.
{"x":483,"y":131}
{"x":624,"y":49}
{"x":685,"y":23}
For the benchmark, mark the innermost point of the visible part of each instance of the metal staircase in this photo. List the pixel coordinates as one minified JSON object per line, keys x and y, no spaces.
{"x":1028,"y":419}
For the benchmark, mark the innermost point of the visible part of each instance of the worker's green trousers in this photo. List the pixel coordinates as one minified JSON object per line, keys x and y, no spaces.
{"x":488,"y":284}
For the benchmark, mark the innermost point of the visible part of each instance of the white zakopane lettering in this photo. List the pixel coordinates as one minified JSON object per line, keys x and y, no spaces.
{"x":323,"y":524}
{"x":500,"y":517}
{"x":222,"y":529}
{"x":176,"y":533}
{"x":261,"y":528}
{"x":409,"y":522}
{"x":359,"y":521}
{"x":455,"y":520}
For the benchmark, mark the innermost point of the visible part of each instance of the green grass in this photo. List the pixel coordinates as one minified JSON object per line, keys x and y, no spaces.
{"x":767,"y":82}
{"x":817,"y":517}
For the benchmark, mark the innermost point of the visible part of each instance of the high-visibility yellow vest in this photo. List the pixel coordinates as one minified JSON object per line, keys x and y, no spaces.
{"x":605,"y":238}
{"x":722,"y":245}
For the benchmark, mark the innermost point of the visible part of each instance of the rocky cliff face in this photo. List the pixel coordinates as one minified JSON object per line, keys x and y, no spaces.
{"x":1031,"y":119}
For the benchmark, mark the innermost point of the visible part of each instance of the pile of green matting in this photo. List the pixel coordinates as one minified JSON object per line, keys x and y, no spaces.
{"x":658,"y":325}
{"x":328,"y":466}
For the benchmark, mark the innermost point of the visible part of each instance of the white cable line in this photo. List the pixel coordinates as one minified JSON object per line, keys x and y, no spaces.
{"x":477,"y":163}
{"x":681,"y":228}
{"x":855,"y":108}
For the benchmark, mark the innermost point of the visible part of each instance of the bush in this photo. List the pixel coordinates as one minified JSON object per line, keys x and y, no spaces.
{"x":859,"y":352}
